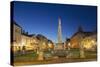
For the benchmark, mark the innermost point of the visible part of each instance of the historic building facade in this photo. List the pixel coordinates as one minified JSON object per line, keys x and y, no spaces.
{"x":29,"y":42}
{"x":16,"y":40}
{"x":86,"y":39}
{"x":21,"y":40}
{"x":90,"y":42}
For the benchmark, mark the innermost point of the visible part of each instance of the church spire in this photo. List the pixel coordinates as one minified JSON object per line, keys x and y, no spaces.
{"x":80,"y":29}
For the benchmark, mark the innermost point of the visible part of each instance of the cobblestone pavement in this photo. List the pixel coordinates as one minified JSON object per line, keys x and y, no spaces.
{"x":57,"y":60}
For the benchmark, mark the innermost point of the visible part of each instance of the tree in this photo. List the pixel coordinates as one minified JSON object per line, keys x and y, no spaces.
{"x":66,"y":43}
{"x":50,"y":44}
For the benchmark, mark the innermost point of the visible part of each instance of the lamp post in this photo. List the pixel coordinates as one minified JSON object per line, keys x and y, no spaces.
{"x":81,"y":48}
{"x":40,"y":51}
{"x":69,"y":46}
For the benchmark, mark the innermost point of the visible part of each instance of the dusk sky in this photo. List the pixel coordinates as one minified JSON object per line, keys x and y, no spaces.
{"x":42,"y":18}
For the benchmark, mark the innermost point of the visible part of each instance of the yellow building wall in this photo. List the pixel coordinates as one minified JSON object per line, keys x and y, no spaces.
{"x":16,"y":38}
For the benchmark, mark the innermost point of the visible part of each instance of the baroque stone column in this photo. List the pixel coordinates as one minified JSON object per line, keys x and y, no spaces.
{"x":60,"y":45}
{"x":59,"y":31}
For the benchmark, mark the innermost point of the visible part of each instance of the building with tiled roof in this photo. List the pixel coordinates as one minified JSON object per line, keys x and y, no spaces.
{"x":81,"y":35}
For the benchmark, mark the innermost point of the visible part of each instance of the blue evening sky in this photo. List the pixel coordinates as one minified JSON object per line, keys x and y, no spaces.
{"x":42,"y":18}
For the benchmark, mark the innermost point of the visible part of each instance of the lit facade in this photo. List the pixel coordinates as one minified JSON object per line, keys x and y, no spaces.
{"x":23,"y":41}
{"x":86,"y":39}
{"x":30,"y":42}
{"x":16,"y":41}
{"x":90,"y":42}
